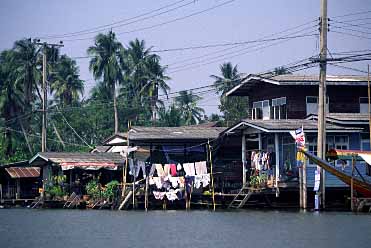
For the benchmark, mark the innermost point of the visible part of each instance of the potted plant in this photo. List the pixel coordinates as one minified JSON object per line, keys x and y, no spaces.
{"x":110,"y":189}
{"x":92,"y":190}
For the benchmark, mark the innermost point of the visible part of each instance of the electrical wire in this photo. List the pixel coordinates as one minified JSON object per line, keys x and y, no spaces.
{"x":113,"y":24}
{"x":162,"y":23}
{"x":354,"y":13}
{"x":350,"y":34}
{"x":352,"y":25}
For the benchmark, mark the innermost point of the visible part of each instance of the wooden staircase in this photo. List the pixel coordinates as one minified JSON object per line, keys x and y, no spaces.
{"x":241,"y":198}
{"x":72,"y":201}
{"x":37,"y":203}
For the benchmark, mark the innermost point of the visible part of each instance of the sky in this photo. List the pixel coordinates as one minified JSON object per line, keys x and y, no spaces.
{"x":221,"y":22}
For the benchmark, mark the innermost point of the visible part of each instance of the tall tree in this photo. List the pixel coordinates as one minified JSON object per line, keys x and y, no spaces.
{"x":187,"y":103}
{"x":67,"y":86}
{"x":233,"y":108}
{"x":171,"y":117}
{"x":107,"y":64}
{"x":11,"y":97}
{"x":156,"y":81}
{"x":26,"y":60}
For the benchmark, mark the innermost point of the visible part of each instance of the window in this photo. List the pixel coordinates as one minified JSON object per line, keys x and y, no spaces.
{"x":261,"y":110}
{"x":340,"y":142}
{"x":312,"y":104}
{"x":363,"y":104}
{"x":279,"y":110}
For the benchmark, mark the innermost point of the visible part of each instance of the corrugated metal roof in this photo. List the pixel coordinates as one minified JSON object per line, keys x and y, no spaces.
{"x":60,"y":157}
{"x":290,"y":125}
{"x":175,"y":133}
{"x":343,"y":117}
{"x":251,"y":81}
{"x":23,"y":172}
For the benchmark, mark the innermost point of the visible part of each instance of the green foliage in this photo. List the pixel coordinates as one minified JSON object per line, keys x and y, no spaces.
{"x":93,"y":189}
{"x":233,"y":108}
{"x":111,"y":187}
{"x":187,"y":104}
{"x":257,"y":181}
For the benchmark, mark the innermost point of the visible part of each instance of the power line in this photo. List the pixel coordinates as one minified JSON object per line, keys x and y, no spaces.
{"x":164,"y":23}
{"x":223,"y":57}
{"x":348,"y":68}
{"x":38,"y":136}
{"x":350,"y":29}
{"x":113,"y":24}
{"x":352,"y":25}
{"x":357,"y":19}
{"x":354,"y":13}
{"x":350,"y":34}
{"x":264,"y":37}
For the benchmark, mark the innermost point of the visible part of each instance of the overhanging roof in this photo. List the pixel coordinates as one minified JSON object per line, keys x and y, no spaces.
{"x":295,"y":80}
{"x":343,"y":118}
{"x":23,"y":172}
{"x":284,"y":126}
{"x":174,"y":133}
{"x":76,"y":157}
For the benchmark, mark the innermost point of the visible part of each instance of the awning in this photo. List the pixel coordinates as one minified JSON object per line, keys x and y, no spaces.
{"x":23,"y":172}
{"x":88,"y":165}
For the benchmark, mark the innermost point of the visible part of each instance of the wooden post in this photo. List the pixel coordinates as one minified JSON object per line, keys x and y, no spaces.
{"x":18,"y":192}
{"x":352,"y":186}
{"x":125,"y":170}
{"x":211,"y":175}
{"x":146,"y":195}
{"x":305,"y":184}
{"x":301,"y":186}
{"x":277,"y":151}
{"x":369,"y":107}
{"x":243,"y":157}
{"x":322,"y":99}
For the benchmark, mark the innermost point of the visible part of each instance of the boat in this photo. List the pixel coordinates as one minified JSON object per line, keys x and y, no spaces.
{"x":361,"y":186}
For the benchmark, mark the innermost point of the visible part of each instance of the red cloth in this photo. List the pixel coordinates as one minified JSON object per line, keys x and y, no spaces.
{"x":173,"y":170}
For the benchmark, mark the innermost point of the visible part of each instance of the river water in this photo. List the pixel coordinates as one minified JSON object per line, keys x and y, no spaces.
{"x":173,"y":229}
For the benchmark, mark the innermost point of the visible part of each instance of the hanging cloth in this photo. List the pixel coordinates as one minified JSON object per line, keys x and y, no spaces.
{"x":201,"y":168}
{"x":173,"y":170}
{"x":189,"y":169}
{"x":160,"y":170}
{"x":167,"y":169}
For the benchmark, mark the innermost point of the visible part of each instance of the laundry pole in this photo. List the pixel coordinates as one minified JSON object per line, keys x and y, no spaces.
{"x":277,"y":152}
{"x":243,"y":157}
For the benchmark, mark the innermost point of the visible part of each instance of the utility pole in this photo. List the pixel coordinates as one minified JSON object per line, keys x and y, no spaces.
{"x":45,"y":90}
{"x":322,"y":99}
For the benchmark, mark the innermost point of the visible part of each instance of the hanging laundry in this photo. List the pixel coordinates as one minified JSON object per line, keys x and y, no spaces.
{"x":167,"y":169}
{"x":181,"y":182}
{"x":172,"y":195}
{"x":189,"y":180}
{"x":141,"y":166}
{"x":253,"y":159}
{"x":198,"y":181}
{"x":159,"y":195}
{"x":179,"y":167}
{"x":160,"y":170}
{"x":173,"y":170}
{"x":151,"y":181}
{"x":205,"y":180}
{"x":201,"y":168}
{"x":152,"y":170}
{"x":158,"y":181}
{"x":189,"y":169}
{"x":131,"y":167}
{"x":174,"y":181}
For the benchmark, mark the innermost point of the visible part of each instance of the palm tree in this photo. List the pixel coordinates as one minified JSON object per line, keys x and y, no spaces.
{"x":171,"y":117}
{"x":26,"y":60}
{"x":11,"y":96}
{"x":187,"y":103}
{"x":281,"y":71}
{"x":233,"y":108}
{"x":107,"y":64}
{"x":228,"y":79}
{"x":156,"y":80}
{"x":67,"y":86}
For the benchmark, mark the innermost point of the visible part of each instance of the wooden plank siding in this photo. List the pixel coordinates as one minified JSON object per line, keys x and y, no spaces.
{"x":343,"y":99}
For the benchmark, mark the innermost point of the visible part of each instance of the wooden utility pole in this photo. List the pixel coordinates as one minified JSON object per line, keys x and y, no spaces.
{"x":352,"y":184}
{"x":45,"y":89}
{"x":369,"y":108}
{"x":45,"y":95}
{"x":321,"y":144}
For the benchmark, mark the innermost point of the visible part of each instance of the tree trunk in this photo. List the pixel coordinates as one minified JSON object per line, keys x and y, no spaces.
{"x":25,"y":137}
{"x":115,"y":110}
